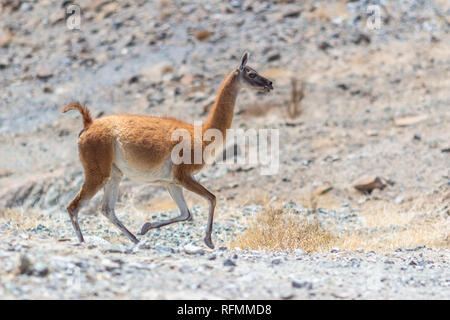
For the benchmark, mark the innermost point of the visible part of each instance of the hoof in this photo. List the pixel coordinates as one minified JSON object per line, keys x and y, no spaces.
{"x":208,"y":242}
{"x":147,"y":226}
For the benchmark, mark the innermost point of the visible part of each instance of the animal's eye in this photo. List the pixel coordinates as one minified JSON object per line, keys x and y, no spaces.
{"x":252,"y":75}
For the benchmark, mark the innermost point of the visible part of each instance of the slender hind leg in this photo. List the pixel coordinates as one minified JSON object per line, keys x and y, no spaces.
{"x":191,"y":184}
{"x":109,"y":202}
{"x":177,"y":195}
{"x":90,"y":187}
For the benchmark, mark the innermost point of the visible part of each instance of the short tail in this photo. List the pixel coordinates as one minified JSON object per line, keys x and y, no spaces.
{"x":87,"y":119}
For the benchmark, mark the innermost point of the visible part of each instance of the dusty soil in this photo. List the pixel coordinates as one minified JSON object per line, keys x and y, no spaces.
{"x":376,"y":102}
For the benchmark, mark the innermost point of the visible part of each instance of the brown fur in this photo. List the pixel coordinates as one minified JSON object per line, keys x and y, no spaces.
{"x":87,"y":120}
{"x":147,"y":144}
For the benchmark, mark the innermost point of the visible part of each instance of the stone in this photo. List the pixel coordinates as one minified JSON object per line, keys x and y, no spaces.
{"x":5,"y":37}
{"x":157,"y":71}
{"x":115,"y":248}
{"x":302,"y":284}
{"x":323,"y":189}
{"x":25,"y":265}
{"x":229,"y":263}
{"x":202,"y":35}
{"x":41,"y":270}
{"x":44,"y":72}
{"x":368,"y":183}
{"x":287,"y":295}
{"x":192,"y":249}
{"x":409,"y":120}
{"x":4,"y":62}
{"x":276,"y":261}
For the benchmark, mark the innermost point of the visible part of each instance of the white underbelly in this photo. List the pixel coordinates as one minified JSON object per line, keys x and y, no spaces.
{"x":161,"y":174}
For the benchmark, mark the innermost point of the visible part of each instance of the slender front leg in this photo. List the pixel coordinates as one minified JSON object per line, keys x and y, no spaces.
{"x":192,"y":185}
{"x":90,"y":187}
{"x":176,"y":193}
{"x":109,"y":202}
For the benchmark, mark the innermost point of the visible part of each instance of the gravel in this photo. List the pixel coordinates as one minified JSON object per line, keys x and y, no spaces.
{"x":47,"y":271}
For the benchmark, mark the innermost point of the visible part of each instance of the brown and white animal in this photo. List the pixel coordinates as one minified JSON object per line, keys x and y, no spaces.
{"x":140,"y":147}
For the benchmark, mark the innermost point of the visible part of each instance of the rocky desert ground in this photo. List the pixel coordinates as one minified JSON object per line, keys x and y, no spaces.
{"x":358,"y":209}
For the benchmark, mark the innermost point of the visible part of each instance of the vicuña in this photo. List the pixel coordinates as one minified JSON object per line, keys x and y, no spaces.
{"x":139,"y":147}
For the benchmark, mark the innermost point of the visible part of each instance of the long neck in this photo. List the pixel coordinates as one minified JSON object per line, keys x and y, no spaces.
{"x":221,"y":114}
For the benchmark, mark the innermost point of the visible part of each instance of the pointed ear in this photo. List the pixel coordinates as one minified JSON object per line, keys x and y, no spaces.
{"x":244,"y":60}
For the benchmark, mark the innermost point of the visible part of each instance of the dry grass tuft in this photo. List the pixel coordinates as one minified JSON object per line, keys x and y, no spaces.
{"x":388,"y":226}
{"x":277,"y":229}
{"x":17,"y":219}
{"x":384,"y":226}
{"x":297,"y":94}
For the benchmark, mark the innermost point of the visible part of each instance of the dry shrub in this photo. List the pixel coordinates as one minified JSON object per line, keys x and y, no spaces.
{"x":17,"y":219}
{"x":277,"y":229}
{"x":387,"y":226}
{"x":297,"y":95}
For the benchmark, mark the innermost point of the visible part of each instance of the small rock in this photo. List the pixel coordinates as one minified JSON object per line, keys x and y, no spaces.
{"x":287,"y":295}
{"x":236,"y":3}
{"x":399,"y":199}
{"x":156,"y":71}
{"x":26,"y":6}
{"x":323,"y":189}
{"x":212,"y":257}
{"x":276,"y":261}
{"x":44,"y":72}
{"x":5,"y":173}
{"x":5,"y":37}
{"x":324,"y":46}
{"x":369,"y":183}
{"x":292,"y":14}
{"x":372,"y":133}
{"x":4,"y":62}
{"x":342,"y":86}
{"x":115,"y":248}
{"x":361,"y":38}
{"x":302,"y":284}
{"x":409,"y":120}
{"x":192,"y":249}
{"x":25,"y":265}
{"x":274,"y":57}
{"x":165,"y":249}
{"x":229,"y":263}
{"x":202,"y":35}
{"x":47,"y":89}
{"x":41,"y":270}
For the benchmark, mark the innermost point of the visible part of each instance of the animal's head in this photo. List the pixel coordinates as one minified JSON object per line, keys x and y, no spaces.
{"x":249,"y":77}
